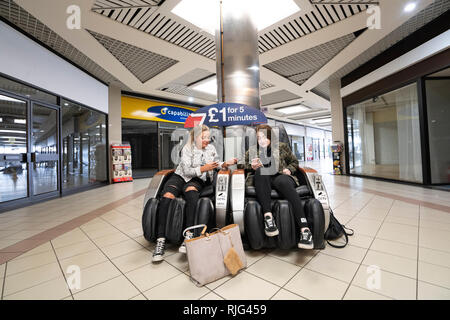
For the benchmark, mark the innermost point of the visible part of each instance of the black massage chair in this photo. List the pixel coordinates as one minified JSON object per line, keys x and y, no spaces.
{"x":232,"y":200}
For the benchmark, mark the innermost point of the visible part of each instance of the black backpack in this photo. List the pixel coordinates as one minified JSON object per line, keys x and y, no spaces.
{"x":336,"y":230}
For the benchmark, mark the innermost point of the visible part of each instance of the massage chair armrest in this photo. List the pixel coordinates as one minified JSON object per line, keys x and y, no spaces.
{"x":156,"y":184}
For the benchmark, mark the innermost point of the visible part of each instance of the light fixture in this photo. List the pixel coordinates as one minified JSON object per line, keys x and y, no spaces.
{"x":323,"y":120}
{"x":293,"y":109}
{"x":1,"y":119}
{"x":11,"y":137}
{"x":261,"y":11}
{"x":20,"y":121}
{"x":5,"y":98}
{"x":208,"y":86}
{"x":410,"y":7}
{"x":13,"y":131}
{"x":66,"y":104}
{"x":190,"y":99}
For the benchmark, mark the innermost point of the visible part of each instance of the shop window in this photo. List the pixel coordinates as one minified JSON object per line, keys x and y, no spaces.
{"x":384,"y":136}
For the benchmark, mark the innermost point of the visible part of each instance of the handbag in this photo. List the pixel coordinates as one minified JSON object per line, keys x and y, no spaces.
{"x":212,"y":256}
{"x":336,"y":230}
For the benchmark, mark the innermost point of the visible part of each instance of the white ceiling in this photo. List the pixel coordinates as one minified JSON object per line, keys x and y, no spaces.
{"x":141,"y":46}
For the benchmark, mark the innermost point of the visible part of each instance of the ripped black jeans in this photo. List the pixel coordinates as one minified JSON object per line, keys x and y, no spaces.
{"x":176,"y":185}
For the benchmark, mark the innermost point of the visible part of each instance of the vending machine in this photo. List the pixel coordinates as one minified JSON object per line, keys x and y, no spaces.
{"x":337,"y":148}
{"x":121,"y":163}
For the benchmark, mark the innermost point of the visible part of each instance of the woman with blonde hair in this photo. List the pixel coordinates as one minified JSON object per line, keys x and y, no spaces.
{"x":195,"y":171}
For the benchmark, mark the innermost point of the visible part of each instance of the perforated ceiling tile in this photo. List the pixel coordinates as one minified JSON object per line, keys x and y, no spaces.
{"x":16,"y":15}
{"x":102,"y":4}
{"x":265,"y":85}
{"x":277,"y":96}
{"x":142,"y":63}
{"x":188,"y":92}
{"x":425,"y":16}
{"x":302,"y":65}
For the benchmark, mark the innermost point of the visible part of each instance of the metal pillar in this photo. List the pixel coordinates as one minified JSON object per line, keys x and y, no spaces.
{"x":237,"y":55}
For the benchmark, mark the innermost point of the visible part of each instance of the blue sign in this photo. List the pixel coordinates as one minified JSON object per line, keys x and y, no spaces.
{"x":169,"y":113}
{"x":225,"y":114}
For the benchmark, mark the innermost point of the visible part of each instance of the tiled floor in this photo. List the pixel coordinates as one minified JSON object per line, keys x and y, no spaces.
{"x":401,"y":250}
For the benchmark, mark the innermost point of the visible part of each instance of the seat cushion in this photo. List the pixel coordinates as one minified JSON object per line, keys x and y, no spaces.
{"x":302,"y":191}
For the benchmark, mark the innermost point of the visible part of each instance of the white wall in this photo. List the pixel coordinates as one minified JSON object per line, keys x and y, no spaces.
{"x":24,"y":59}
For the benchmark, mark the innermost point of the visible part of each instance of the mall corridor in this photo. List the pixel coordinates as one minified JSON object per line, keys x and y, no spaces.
{"x":404,"y":230}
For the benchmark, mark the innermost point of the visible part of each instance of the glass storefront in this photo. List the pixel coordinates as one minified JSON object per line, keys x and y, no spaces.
{"x":84,"y":146}
{"x":37,"y":130}
{"x":384,"y":136}
{"x":438,"y":110}
{"x":143,"y":137}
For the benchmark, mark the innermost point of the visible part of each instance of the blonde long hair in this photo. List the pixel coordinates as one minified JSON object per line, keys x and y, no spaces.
{"x":195,"y":132}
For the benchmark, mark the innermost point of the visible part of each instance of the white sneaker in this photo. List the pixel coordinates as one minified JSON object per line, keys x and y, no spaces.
{"x":158,"y":254}
{"x":189,"y":235}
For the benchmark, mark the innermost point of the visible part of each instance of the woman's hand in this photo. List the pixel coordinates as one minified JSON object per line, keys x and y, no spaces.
{"x":230,"y":162}
{"x":287,"y":172}
{"x":256,"y":163}
{"x":209,"y":166}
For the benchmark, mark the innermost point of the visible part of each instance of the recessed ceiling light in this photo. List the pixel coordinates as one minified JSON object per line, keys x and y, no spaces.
{"x":410,"y":7}
{"x":190,"y":99}
{"x":13,"y":131}
{"x":261,"y":11}
{"x":208,"y":86}
{"x":20,"y":121}
{"x":323,"y":120}
{"x":293,"y":109}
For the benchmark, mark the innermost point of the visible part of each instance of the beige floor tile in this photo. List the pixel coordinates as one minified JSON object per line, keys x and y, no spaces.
{"x":144,"y":242}
{"x":7,"y":242}
{"x":110,"y":239}
{"x":177,"y":288}
{"x":428,"y":291}
{"x":96,"y":274}
{"x":403,"y":266}
{"x":357,"y":293}
{"x":115,"y":289}
{"x":357,"y":240}
{"x":286,"y":295}
{"x":179,"y":261}
{"x":440,"y":258}
{"x":1,"y":286}
{"x":22,"y":235}
{"x":253,"y":256}
{"x":139,"y":297}
{"x":434,"y":215}
{"x":316,"y":286}
{"x":95,"y":224}
{"x":245,"y":286}
{"x":72,"y":237}
{"x":391,"y":285}
{"x":98,"y":233}
{"x":133,"y":260}
{"x":299,"y":257}
{"x":211,"y":296}
{"x":395,"y":248}
{"x":40,"y":249}
{"x":434,"y":274}
{"x":121,"y":248}
{"x":435,"y":225}
{"x":75,"y":249}
{"x":217,"y":283}
{"x":351,"y":253}
{"x":2,"y":270}
{"x":398,"y":232}
{"x":55,"y":289}
{"x":84,"y":260}
{"x":151,"y":275}
{"x":68,"y":298}
{"x":31,"y":278}
{"x":30,"y":262}
{"x":273,"y":270}
{"x":364,"y":226}
{"x":133,"y":233}
{"x":333,"y":267}
{"x":400,"y":220}
{"x":434,"y":239}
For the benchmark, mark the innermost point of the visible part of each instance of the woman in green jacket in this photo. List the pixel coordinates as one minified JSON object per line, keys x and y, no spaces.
{"x":275,"y":170}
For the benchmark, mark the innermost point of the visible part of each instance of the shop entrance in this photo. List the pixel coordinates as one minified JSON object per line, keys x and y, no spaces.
{"x":29,"y":149}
